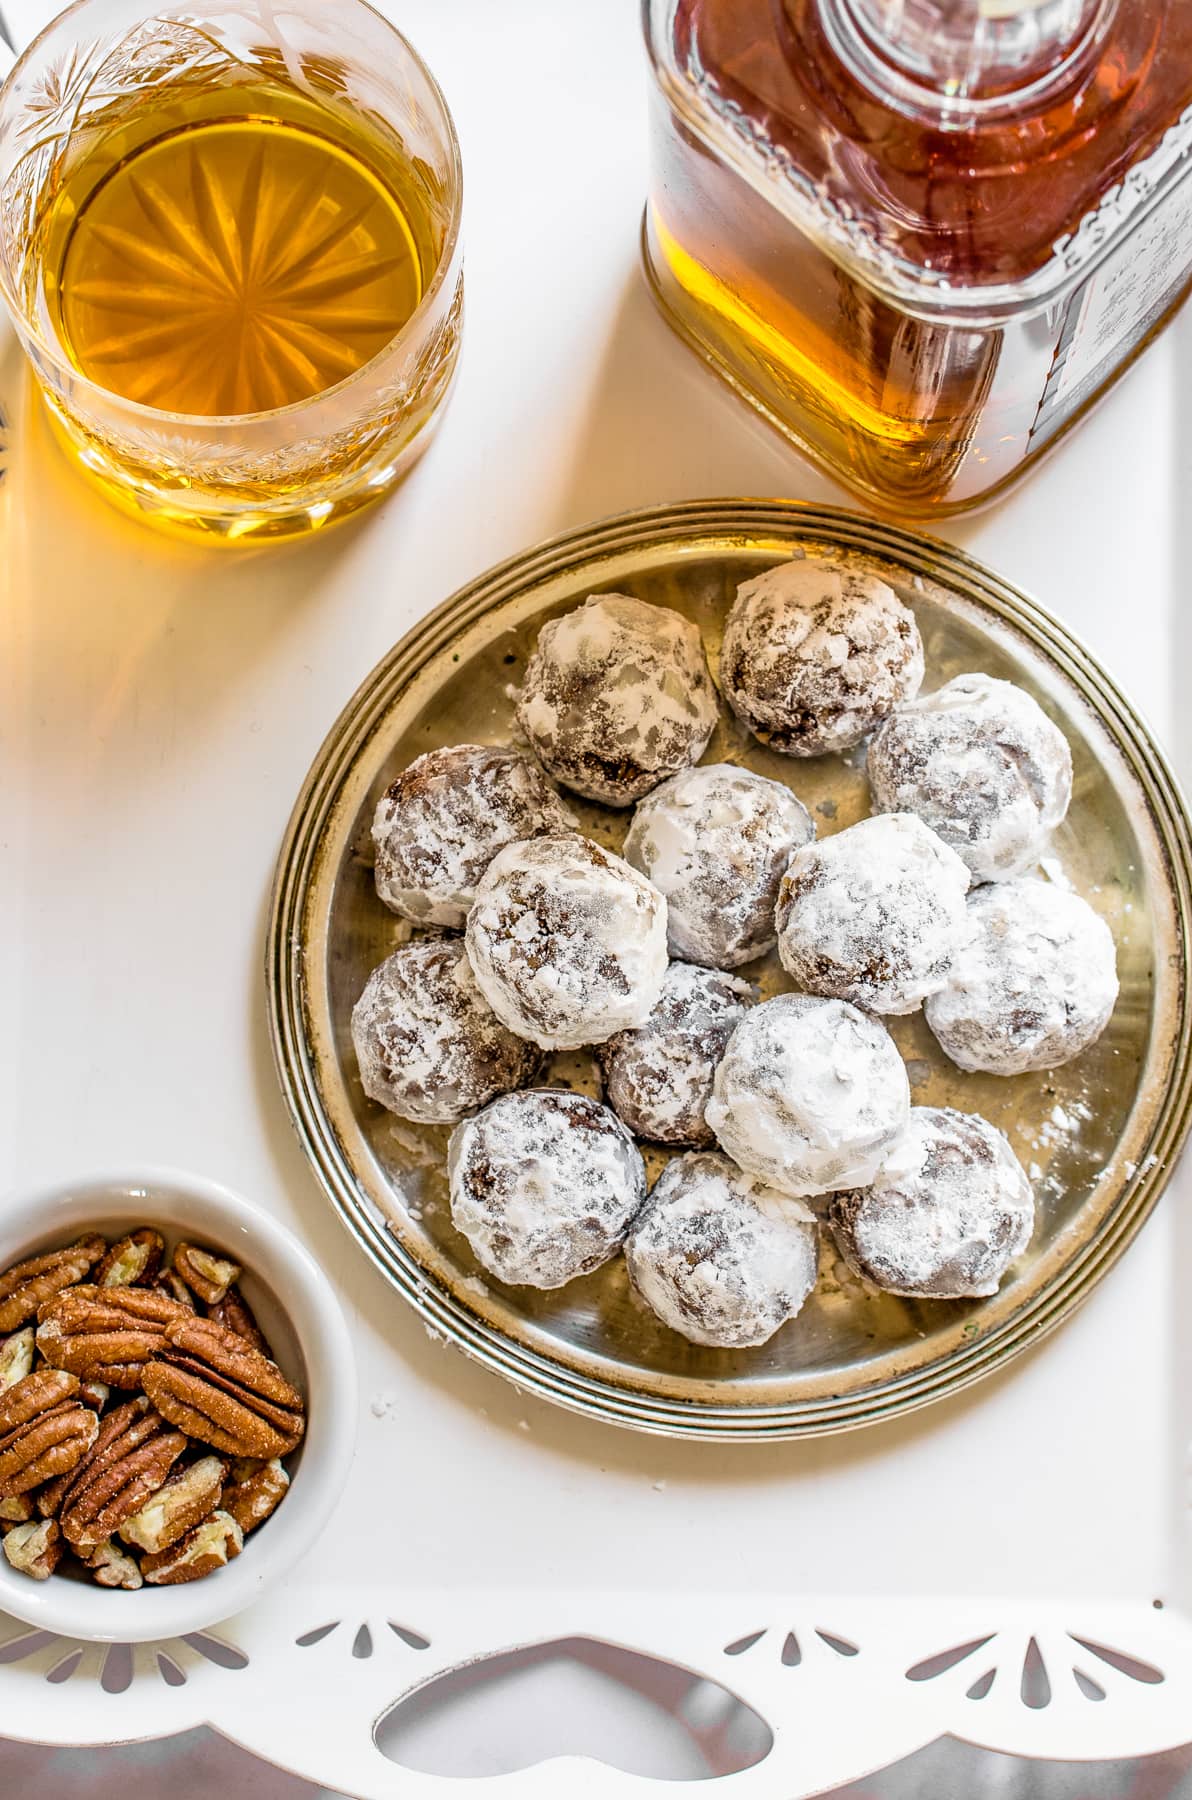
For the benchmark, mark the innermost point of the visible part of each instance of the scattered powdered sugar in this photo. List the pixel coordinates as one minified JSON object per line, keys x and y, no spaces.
{"x":567,"y":941}
{"x":544,"y":1184}
{"x":983,"y":765}
{"x":718,"y":1255}
{"x":658,"y":1077}
{"x":429,"y":1047}
{"x":1063,"y":1123}
{"x":440,"y":824}
{"x":1033,"y":985}
{"x":617,"y":696}
{"x":874,"y":915}
{"x":947,"y":1212}
{"x":716,"y":840}
{"x":1057,"y":1133}
{"x":815,"y":654}
{"x":810,"y":1094}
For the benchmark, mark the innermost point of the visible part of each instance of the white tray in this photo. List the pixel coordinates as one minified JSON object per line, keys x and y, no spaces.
{"x":160,"y":707}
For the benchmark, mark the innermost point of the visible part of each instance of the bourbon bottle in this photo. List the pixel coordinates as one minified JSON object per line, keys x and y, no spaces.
{"x":922,"y":237}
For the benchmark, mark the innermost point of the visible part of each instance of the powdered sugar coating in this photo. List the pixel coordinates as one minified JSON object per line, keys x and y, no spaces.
{"x":815,"y":653}
{"x":874,"y":915}
{"x":428,"y":1045}
{"x":718,"y":1255}
{"x":948,"y":1211}
{"x":658,"y":1077}
{"x":617,"y":696}
{"x":440,"y":824}
{"x":1034,"y":984}
{"x":567,"y":941}
{"x":544,"y":1184}
{"x":809,"y":1095}
{"x":715,"y":840}
{"x":983,"y":765}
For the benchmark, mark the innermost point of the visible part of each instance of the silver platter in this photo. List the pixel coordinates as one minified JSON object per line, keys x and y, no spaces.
{"x":1100,"y":1135}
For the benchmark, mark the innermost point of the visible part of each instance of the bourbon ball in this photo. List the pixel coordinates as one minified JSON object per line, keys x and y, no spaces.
{"x":439,"y":825}
{"x":718,"y":1255}
{"x":616,"y":697}
{"x":544,"y":1184}
{"x":947,"y":1212}
{"x":817,"y":653}
{"x":658,"y":1077}
{"x":1034,"y":984}
{"x":809,"y":1094}
{"x":983,"y":765}
{"x":567,"y":941}
{"x":428,"y":1044}
{"x":716,"y":840}
{"x":873,"y":915}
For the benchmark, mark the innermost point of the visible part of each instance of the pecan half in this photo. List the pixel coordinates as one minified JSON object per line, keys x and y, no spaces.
{"x":207,"y":1548}
{"x":209,"y":1275}
{"x":16,"y":1510}
{"x":184,"y":1502}
{"x":43,"y":1430}
{"x":132,"y":1457}
{"x":236,"y":1314}
{"x":214,"y":1385}
{"x":35,"y":1549}
{"x":113,"y":1567}
{"x":16,"y":1358}
{"x":29,"y":1284}
{"x":256,"y":1490}
{"x":135,"y":1258}
{"x":106,"y":1334}
{"x":34,"y":1394}
{"x":52,"y":1442}
{"x":125,"y":1428}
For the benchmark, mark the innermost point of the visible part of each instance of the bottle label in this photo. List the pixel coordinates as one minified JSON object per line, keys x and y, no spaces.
{"x":1120,"y":302}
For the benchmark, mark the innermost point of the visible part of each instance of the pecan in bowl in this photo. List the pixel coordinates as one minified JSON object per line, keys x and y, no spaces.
{"x":177,"y":1407}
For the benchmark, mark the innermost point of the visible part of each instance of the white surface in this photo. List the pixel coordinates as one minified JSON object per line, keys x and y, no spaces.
{"x":159,"y":707}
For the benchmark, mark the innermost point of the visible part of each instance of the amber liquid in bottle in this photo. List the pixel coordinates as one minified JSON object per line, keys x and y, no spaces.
{"x":924,"y":412}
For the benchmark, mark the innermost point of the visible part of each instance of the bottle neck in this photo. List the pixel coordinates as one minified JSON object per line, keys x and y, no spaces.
{"x":959,"y":62}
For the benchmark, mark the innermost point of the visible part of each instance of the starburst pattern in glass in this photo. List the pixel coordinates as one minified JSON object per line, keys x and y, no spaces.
{"x":235,"y":267}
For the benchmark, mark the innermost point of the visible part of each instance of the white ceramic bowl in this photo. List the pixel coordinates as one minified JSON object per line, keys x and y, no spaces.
{"x":301,"y":1317}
